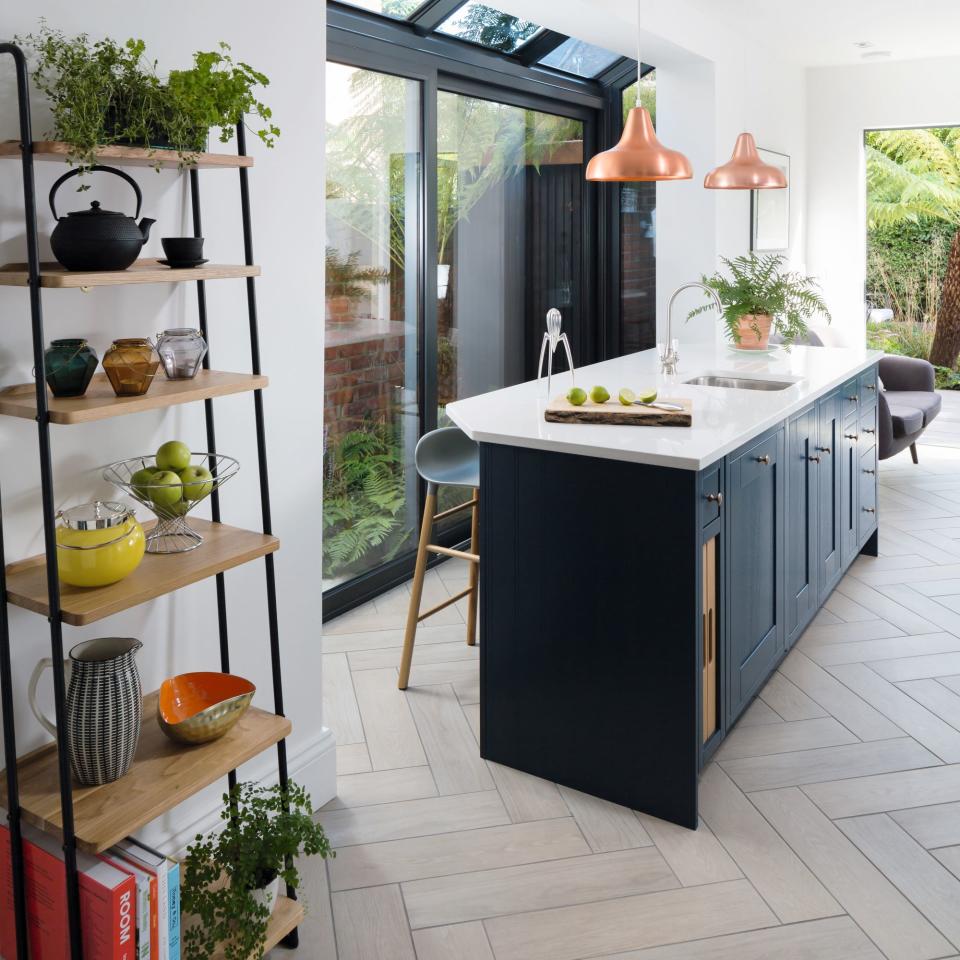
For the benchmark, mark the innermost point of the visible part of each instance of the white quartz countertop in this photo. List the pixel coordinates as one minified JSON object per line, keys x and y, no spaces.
{"x":723,"y":418}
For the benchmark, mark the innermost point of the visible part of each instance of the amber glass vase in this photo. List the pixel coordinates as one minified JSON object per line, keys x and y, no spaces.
{"x":130,"y":366}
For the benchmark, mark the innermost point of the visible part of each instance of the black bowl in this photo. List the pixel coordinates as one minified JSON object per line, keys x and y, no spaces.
{"x":183,"y":249}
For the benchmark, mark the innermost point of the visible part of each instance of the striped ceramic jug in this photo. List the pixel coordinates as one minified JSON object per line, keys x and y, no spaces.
{"x":103,"y":710}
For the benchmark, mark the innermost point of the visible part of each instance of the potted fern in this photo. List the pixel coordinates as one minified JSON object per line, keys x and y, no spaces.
{"x":347,"y":283}
{"x":760,"y":296}
{"x":232,"y":878}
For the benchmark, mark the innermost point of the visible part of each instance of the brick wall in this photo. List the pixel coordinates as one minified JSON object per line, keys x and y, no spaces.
{"x":363,"y":366}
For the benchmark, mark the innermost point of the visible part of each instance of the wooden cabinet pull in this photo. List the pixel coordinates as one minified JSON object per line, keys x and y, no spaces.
{"x":716,"y":498}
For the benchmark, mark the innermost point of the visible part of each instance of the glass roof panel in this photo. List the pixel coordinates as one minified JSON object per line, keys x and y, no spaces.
{"x":401,"y":9}
{"x":489,"y":27}
{"x":581,"y":58}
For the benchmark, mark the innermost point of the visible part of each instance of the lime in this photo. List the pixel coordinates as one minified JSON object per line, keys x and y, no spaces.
{"x":647,"y":396}
{"x":627,"y":396}
{"x":577,"y":396}
{"x":599,"y":394}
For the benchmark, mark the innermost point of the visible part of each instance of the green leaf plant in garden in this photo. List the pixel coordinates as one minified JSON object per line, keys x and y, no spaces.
{"x":758,"y":285}
{"x":265,"y":828}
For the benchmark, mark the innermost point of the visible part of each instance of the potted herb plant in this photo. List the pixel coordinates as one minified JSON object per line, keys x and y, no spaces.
{"x":760,"y":296}
{"x":232,"y":878}
{"x":104,"y":92}
{"x":347,"y":283}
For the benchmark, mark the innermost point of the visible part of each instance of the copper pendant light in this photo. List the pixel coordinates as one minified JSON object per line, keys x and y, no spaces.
{"x":745,"y":170}
{"x":639,"y":155}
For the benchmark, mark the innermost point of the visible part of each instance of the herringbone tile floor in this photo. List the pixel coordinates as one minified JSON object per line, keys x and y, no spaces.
{"x":831,"y":817}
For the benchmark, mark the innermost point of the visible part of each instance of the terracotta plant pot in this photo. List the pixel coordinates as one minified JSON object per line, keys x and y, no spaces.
{"x":341,"y":309}
{"x":749,"y":324}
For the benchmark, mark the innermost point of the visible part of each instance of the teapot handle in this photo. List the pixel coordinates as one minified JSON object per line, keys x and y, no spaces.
{"x":78,"y":170}
{"x":42,"y":665}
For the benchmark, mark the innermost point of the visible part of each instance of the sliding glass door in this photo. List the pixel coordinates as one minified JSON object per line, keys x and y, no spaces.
{"x":509,"y":239}
{"x":371,"y":405}
{"x":454,"y":222}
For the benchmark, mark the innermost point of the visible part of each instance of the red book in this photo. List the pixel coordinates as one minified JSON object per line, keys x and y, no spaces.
{"x":108,"y":907}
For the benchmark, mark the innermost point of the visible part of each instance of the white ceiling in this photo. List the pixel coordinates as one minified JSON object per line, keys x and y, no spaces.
{"x":806,"y":32}
{"x":821,"y":32}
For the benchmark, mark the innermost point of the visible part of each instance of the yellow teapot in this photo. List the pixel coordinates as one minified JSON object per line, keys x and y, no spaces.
{"x":98,"y":544}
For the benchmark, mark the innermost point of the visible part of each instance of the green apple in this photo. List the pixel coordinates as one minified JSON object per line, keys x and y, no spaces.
{"x":141,"y":480}
{"x":197,"y":483}
{"x":173,"y":455}
{"x":165,"y":490}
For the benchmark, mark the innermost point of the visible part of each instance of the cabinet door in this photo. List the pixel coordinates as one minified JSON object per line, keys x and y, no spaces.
{"x":868,"y":494}
{"x":801,"y":552}
{"x":755,"y":485}
{"x":829,"y":475}
{"x":849,"y":491}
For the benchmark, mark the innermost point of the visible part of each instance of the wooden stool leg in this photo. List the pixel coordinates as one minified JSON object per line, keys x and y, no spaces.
{"x":913,"y":453}
{"x":474,"y":573}
{"x":416,"y":589}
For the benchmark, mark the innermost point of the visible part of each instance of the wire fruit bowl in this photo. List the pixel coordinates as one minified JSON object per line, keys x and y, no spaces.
{"x":171,"y":502}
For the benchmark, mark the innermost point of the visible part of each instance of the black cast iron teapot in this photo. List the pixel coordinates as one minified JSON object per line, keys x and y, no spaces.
{"x":96,"y":239}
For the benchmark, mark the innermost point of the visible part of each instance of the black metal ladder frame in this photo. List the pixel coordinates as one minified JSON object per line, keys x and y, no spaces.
{"x":14,"y":816}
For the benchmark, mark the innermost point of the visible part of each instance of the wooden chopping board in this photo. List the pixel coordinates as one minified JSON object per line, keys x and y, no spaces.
{"x":560,"y":410}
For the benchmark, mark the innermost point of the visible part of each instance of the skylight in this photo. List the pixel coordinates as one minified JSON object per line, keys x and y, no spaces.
{"x":489,"y":27}
{"x":579,"y":57}
{"x":401,"y":9}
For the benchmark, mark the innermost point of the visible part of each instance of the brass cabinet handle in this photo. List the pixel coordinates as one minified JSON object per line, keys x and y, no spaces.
{"x":852,"y":436}
{"x":765,"y":459}
{"x":814,"y":459}
{"x":854,"y":399}
{"x":867,"y":430}
{"x":869,"y":471}
{"x":716,"y":498}
{"x":869,"y":509}
{"x":826,"y":450}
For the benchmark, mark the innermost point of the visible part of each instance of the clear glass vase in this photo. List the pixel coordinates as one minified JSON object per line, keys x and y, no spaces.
{"x":181,"y":351}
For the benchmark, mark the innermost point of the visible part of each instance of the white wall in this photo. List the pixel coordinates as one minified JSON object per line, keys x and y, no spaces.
{"x":180,"y":632}
{"x":712,"y":84}
{"x":842,"y":103}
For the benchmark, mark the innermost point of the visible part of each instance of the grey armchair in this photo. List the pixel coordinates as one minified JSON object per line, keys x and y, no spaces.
{"x":907,"y":404}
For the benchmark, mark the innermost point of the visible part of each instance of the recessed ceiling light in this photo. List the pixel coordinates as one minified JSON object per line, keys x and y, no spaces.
{"x":863,"y":44}
{"x":876,"y":55}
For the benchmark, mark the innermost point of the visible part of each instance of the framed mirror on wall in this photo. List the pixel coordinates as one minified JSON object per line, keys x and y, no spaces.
{"x":770,"y":210}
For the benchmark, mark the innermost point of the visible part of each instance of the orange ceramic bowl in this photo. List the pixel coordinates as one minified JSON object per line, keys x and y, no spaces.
{"x":200,"y":707}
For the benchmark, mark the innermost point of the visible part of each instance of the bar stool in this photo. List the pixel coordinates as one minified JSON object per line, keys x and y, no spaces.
{"x":445,"y":457}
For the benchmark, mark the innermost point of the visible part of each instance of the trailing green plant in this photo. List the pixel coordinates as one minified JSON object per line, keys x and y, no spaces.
{"x":265,"y":828}
{"x":363,"y":499}
{"x":104,"y":92}
{"x":757,"y":286}
{"x":346,"y":278}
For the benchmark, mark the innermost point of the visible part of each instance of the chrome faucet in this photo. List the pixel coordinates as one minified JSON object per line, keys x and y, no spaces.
{"x":669,"y":358}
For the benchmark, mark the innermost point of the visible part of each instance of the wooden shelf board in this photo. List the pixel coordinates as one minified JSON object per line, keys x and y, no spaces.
{"x":101,"y":403}
{"x":163,"y":775}
{"x":223,"y":548}
{"x":57,"y":150}
{"x":147,"y":270}
{"x":287,"y":915}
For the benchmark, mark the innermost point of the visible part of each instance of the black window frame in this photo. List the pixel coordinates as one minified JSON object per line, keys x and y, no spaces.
{"x":410,"y":49}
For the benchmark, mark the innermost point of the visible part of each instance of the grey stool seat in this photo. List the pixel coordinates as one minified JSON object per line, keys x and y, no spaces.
{"x":444,"y":457}
{"x":448,"y":457}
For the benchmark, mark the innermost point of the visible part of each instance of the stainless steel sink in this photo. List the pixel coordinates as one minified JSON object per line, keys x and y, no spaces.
{"x":738,"y":383}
